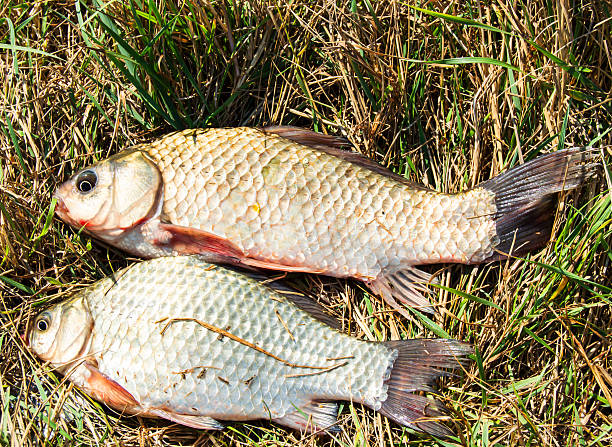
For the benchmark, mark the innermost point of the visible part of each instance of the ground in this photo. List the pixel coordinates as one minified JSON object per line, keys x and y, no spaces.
{"x":445,"y":93}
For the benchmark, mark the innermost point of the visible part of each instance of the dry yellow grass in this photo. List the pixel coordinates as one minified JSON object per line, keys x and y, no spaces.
{"x":81,"y":80}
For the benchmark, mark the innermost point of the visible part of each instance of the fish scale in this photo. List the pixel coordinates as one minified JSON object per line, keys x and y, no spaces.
{"x":127,"y":313}
{"x":181,"y":339}
{"x":290,"y":199}
{"x":296,"y":205}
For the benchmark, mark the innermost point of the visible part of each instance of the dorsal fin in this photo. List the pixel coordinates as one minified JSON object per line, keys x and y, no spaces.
{"x":308,"y":138}
{"x":333,"y":145}
{"x":303,"y":302}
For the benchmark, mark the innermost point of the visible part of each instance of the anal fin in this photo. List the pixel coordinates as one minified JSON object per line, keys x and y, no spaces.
{"x":405,"y":285}
{"x":189,"y":420}
{"x":312,"y":417}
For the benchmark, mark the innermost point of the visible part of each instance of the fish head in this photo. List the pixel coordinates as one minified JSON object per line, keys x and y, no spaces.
{"x":112,"y":196}
{"x":61,"y":334}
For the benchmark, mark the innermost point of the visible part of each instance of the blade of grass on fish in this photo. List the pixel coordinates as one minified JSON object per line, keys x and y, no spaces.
{"x":467,"y":296}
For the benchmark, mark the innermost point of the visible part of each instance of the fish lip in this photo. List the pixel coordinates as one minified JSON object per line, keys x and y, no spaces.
{"x":24,"y":337}
{"x":60,"y":207}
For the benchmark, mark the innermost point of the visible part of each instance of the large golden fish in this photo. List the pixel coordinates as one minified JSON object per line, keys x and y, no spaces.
{"x":290,"y":199}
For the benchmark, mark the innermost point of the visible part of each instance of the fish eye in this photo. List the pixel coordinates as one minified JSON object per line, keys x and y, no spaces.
{"x":43,"y":323}
{"x":86,"y":181}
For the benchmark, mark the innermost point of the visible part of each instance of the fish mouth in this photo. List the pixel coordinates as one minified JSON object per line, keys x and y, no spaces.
{"x":24,"y":337}
{"x":60,"y":207}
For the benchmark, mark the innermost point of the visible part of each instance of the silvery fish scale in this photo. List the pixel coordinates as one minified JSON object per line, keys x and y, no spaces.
{"x":197,"y":371}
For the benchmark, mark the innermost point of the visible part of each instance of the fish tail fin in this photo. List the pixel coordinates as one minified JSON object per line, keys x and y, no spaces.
{"x":525,"y":198}
{"x":417,"y":366}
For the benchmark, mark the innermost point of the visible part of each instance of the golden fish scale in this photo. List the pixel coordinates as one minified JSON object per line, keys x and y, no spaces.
{"x":289,"y":203}
{"x":193,"y":370}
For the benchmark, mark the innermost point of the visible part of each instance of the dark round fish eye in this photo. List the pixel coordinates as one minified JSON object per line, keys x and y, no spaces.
{"x":86,"y":181}
{"x":42,"y":324}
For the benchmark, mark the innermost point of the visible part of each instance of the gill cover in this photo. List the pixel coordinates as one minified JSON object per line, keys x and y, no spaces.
{"x":61,"y":334}
{"x":112,"y":196}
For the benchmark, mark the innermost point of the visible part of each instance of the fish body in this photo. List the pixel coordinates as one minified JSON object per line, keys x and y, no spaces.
{"x":289,"y":199}
{"x":181,"y":339}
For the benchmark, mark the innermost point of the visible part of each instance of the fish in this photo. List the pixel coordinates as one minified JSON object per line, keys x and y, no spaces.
{"x":198,"y":344}
{"x":290,"y":199}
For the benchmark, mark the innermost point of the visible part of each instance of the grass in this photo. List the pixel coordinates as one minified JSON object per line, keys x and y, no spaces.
{"x":446,"y":93}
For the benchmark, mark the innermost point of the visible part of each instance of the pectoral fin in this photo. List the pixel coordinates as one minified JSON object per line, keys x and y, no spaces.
{"x":106,"y":390}
{"x":213,"y":248}
{"x":268,"y":265}
{"x":190,"y":241}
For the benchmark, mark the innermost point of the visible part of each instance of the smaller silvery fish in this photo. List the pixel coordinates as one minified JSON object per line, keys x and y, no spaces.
{"x":289,"y":199}
{"x":181,"y":339}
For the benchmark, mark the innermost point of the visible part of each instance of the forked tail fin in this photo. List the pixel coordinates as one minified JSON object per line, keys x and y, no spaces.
{"x":525,"y":197}
{"x":417,"y":366}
